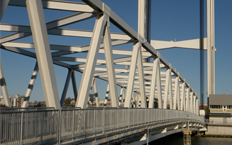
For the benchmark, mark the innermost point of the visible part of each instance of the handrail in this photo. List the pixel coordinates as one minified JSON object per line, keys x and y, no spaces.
{"x":55,"y":126}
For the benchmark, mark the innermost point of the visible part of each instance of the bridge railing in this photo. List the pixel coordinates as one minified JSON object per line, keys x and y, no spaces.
{"x":29,"y":127}
{"x":52,"y":126}
{"x":4,"y":109}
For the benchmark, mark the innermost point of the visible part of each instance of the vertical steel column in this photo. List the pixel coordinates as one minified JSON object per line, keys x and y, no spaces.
{"x":153,"y":81}
{"x":191,"y":102}
{"x":197,"y":107}
{"x":65,"y":87}
{"x":3,"y":4}
{"x":182,"y":96}
{"x":110,"y":65}
{"x":43,"y":53}
{"x":91,"y":62}
{"x":159,"y":90}
{"x":96,"y":92}
{"x":187,"y":99}
{"x":74,"y":85}
{"x":177,"y":93}
{"x":142,"y":13}
{"x":142,"y":31}
{"x":170,"y":91}
{"x":194,"y":104}
{"x":168,"y":75}
{"x":130,"y":83}
{"x":211,"y":48}
{"x":141,"y":80}
{"x":31,"y":85}
{"x":107,"y":94}
{"x":4,"y":87}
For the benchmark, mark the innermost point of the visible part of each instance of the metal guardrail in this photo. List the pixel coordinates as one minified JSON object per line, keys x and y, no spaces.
{"x":3,"y":109}
{"x":55,"y":126}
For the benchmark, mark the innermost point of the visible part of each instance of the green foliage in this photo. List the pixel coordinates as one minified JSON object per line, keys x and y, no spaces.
{"x":67,"y":101}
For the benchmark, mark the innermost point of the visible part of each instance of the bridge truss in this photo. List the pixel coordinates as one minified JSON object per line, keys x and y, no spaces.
{"x":126,"y":68}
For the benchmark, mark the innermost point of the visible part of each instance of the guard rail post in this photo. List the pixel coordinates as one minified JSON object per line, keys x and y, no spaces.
{"x":73,"y":124}
{"x":21,"y":137}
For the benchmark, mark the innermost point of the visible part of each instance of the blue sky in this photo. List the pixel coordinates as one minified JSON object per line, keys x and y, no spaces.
{"x":170,"y":20}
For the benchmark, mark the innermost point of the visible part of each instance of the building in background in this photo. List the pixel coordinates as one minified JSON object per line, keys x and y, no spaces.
{"x":220,"y":107}
{"x":16,"y":101}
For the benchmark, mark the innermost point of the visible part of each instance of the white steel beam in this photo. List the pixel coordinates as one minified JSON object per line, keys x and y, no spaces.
{"x":86,"y":48}
{"x":188,"y":44}
{"x":168,"y":75}
{"x":176,"y":94}
{"x":63,"y":32}
{"x":58,"y":5}
{"x":110,"y":66}
{"x":141,"y":79}
{"x":4,"y":87}
{"x":159,"y":89}
{"x":30,"y":86}
{"x":3,"y":5}
{"x":142,"y":13}
{"x":194,"y":104}
{"x":63,"y":96}
{"x":187,"y":100}
{"x":153,"y":81}
{"x":88,"y":34}
{"x":170,"y":91}
{"x":191,"y":102}
{"x":210,"y":48}
{"x":213,"y":47}
{"x":31,"y":54}
{"x":51,"y":25}
{"x":91,"y":62}
{"x":130,"y":84}
{"x":43,"y":53}
{"x":182,"y":96}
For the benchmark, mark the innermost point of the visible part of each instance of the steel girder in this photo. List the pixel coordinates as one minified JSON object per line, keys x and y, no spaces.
{"x":158,"y":79}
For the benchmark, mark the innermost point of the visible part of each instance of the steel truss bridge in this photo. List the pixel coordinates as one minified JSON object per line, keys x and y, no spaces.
{"x":141,"y":82}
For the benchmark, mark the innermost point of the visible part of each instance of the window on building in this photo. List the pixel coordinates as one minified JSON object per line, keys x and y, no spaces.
{"x":216,"y":106}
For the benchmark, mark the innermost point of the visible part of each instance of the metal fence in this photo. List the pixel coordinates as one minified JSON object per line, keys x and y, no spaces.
{"x":29,"y":127}
{"x":4,"y":109}
{"x":55,"y":126}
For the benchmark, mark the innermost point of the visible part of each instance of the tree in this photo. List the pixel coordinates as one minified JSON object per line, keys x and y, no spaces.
{"x":67,"y":101}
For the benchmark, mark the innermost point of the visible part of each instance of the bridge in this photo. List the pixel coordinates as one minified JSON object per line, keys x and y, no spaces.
{"x":130,"y":61}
